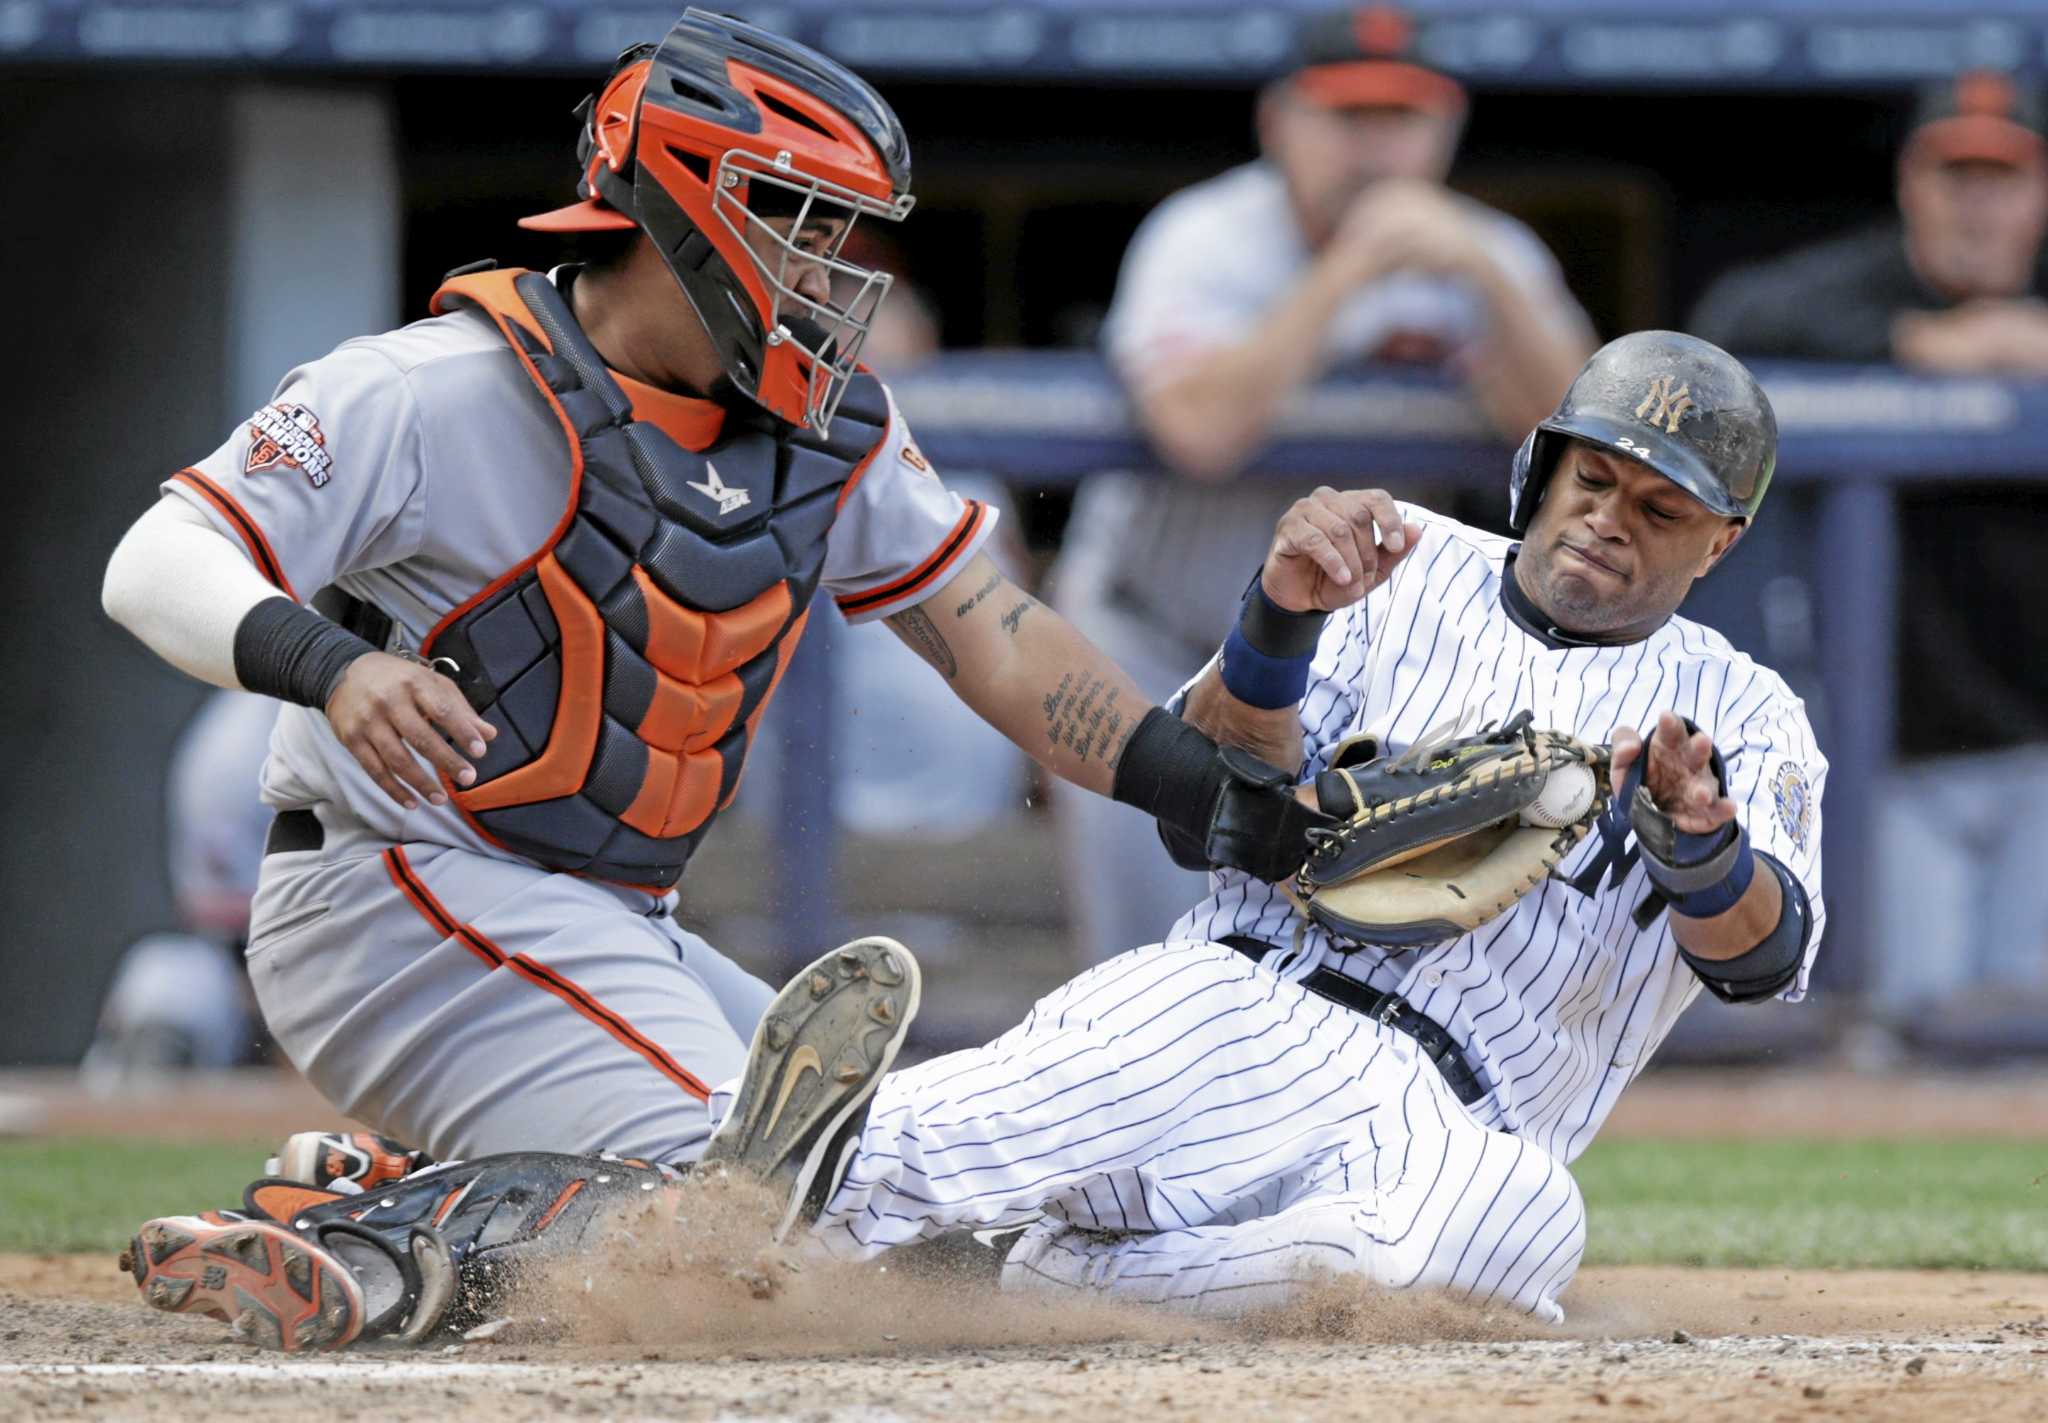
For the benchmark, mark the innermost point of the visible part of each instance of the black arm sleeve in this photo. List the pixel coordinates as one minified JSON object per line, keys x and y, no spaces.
{"x":290,"y":652}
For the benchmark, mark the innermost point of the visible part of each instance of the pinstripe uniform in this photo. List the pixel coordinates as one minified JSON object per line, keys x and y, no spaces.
{"x":1181,"y":1125}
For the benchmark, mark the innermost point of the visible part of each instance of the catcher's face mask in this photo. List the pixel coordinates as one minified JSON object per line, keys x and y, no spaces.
{"x":707,"y":143}
{"x":816,"y":304}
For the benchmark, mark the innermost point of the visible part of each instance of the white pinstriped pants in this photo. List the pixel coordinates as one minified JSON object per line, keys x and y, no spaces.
{"x":1177,"y":1126}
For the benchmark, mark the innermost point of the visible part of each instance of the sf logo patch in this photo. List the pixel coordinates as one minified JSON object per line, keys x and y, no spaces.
{"x":289,"y":437}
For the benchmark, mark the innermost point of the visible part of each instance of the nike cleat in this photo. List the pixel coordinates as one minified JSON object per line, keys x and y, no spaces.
{"x":817,"y":1055}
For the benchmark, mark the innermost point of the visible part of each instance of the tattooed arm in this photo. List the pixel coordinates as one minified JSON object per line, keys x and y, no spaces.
{"x":1026,"y":672}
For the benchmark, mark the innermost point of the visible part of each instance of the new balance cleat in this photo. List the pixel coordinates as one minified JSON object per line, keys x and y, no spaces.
{"x":273,"y":1288}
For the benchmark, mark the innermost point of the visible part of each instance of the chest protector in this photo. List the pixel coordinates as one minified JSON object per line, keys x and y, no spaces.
{"x":626,"y":662}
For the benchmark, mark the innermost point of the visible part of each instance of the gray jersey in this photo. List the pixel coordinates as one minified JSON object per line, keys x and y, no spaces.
{"x":1562,"y":1000}
{"x":414,"y":468}
{"x":1205,"y":268}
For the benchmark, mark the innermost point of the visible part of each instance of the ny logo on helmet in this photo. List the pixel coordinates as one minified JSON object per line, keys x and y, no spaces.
{"x":1663,"y":405}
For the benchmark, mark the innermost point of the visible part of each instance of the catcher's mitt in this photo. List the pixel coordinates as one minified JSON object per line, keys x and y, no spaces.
{"x":1439,"y":840}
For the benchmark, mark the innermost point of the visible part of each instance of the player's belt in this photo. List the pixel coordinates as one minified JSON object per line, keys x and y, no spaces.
{"x":294,"y":830}
{"x":1389,"y":1009}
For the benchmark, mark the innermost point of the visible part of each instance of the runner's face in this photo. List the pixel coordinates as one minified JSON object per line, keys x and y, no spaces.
{"x":1615,"y":546}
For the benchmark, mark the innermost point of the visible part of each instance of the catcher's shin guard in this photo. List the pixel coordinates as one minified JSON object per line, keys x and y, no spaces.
{"x":820,"y":1049}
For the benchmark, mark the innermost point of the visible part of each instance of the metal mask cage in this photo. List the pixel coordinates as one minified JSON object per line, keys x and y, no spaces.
{"x":834,"y":330}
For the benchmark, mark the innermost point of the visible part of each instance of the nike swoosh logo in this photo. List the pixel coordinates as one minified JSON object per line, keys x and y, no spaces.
{"x":802,"y":1060}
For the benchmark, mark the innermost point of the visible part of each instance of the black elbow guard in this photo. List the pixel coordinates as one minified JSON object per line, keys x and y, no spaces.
{"x":1218,"y":807}
{"x":1766,"y":970}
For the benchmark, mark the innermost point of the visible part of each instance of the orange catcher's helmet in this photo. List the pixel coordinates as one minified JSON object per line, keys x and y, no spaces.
{"x":747,"y":157}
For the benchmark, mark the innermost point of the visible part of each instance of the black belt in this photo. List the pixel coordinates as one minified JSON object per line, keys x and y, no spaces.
{"x":1390,"y":1009}
{"x":294,"y":830}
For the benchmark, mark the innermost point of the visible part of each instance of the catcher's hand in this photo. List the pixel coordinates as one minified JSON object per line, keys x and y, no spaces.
{"x":1438,"y":840}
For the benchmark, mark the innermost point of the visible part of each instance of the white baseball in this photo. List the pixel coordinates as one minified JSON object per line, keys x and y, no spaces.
{"x":1564,"y":798}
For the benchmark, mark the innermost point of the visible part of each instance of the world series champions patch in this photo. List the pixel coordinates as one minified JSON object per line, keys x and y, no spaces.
{"x":1794,"y":801}
{"x":288,"y":437}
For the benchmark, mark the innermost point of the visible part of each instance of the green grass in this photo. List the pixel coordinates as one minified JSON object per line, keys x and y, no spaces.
{"x":1848,"y":1204}
{"x":90,"y":1194}
{"x":1971,"y":1204}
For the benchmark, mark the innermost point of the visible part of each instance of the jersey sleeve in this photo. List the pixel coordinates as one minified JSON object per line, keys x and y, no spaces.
{"x":901,"y":535}
{"x":324,"y":480}
{"x":1776,"y":774}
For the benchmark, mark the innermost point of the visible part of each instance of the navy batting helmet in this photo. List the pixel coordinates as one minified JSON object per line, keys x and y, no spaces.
{"x":1682,"y":406}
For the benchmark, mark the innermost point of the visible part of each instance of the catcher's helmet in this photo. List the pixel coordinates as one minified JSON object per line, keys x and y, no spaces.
{"x":696,"y":141}
{"x":1682,"y":406}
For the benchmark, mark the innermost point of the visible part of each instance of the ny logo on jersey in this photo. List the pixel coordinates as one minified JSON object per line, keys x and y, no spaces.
{"x":713,"y":487}
{"x":1664,"y":405}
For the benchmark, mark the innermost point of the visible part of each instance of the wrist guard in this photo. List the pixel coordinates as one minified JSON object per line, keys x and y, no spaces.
{"x":1699,"y":876}
{"x":290,"y":652}
{"x":1773,"y":964}
{"x":1265,"y":661}
{"x":1218,"y":807}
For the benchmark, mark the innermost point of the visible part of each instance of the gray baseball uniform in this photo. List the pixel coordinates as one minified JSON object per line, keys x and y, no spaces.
{"x":429,"y":982}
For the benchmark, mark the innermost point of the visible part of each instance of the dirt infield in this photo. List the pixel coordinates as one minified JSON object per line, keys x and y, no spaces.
{"x":1643,"y":1343}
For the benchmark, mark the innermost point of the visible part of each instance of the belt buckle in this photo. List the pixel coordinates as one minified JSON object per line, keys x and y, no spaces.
{"x":1385,"y":1013}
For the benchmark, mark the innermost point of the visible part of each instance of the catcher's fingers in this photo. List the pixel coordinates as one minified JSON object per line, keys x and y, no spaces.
{"x":443,"y":705}
{"x":433,"y":748}
{"x":384,"y":756}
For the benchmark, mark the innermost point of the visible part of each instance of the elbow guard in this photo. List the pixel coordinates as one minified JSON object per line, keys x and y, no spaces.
{"x":1766,"y":970}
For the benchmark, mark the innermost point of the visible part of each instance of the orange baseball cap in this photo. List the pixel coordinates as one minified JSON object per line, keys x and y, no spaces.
{"x":1365,"y":58}
{"x":1982,"y":117}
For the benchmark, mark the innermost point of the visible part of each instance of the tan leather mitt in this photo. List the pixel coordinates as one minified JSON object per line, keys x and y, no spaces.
{"x":1449,"y":834}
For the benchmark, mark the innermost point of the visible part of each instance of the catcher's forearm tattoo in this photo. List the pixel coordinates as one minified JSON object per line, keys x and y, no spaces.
{"x":1015,"y":616}
{"x":924,"y":639}
{"x":974,"y":599}
{"x":1083,"y":715}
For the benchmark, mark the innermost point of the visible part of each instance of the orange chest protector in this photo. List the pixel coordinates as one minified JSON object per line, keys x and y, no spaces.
{"x":626,"y":662}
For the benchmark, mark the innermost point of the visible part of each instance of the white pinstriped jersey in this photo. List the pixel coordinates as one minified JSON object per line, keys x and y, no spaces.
{"x":1561,"y":1001}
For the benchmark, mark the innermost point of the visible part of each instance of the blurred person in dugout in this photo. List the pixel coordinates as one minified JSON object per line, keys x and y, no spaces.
{"x":1340,"y":245}
{"x":180,"y":998}
{"x":1956,"y":284}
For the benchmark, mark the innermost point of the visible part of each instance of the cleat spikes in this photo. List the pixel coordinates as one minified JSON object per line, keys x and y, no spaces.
{"x":298,"y":1271}
{"x":290,"y":1297}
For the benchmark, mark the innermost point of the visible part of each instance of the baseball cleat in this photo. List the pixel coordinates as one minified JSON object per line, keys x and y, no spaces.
{"x":820,"y":1049}
{"x":272,"y":1287}
{"x":345,"y":1161}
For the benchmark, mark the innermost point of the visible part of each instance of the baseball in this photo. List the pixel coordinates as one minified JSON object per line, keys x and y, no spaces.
{"x":1563,"y":799}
